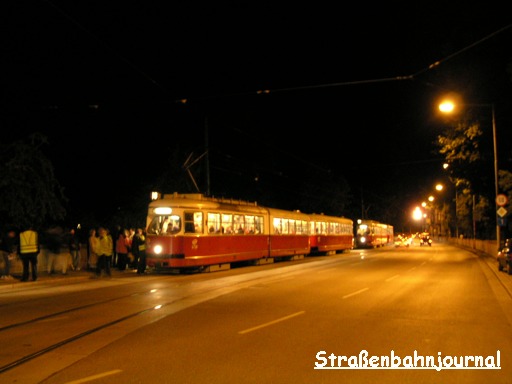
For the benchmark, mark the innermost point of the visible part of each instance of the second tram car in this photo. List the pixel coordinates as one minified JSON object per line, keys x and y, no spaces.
{"x":372,"y":234}
{"x":191,"y":231}
{"x":330,"y":234}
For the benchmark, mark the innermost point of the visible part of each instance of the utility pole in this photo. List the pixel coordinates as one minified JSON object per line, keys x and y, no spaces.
{"x":207,"y":152}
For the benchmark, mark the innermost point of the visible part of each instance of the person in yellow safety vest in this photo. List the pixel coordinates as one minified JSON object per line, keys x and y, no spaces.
{"x":28,"y":251}
{"x":139,"y":249}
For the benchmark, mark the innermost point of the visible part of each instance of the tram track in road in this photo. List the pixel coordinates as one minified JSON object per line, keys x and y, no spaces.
{"x":25,"y":341}
{"x":56,"y":314}
{"x":61,"y":343}
{"x":23,"y":328}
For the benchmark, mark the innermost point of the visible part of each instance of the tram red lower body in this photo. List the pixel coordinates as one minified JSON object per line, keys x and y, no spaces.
{"x":197,"y":251}
{"x":330,"y":243}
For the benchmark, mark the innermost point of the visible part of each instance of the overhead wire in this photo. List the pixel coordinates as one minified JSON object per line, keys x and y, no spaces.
{"x":185,"y":100}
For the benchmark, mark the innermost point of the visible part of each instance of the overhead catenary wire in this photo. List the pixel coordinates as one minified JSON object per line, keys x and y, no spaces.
{"x":187,"y":99}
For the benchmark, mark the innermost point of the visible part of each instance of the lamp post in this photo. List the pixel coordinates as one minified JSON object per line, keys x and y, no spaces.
{"x":454,"y":182}
{"x":448,"y":106}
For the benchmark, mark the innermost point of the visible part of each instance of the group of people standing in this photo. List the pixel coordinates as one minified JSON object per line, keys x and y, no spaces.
{"x":128,"y":250}
{"x":55,"y":241}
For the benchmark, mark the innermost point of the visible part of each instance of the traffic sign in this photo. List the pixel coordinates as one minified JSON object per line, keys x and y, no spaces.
{"x":501,"y":200}
{"x":502,"y":211}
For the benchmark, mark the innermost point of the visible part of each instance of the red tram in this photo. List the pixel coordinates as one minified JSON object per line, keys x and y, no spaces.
{"x":191,"y":231}
{"x":372,"y":234}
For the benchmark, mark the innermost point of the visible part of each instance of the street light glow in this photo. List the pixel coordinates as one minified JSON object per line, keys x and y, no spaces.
{"x":447,"y":106}
{"x":417,"y":214}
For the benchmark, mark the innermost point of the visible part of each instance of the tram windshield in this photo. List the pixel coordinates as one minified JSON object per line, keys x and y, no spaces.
{"x":164,"y":225}
{"x":363,"y":229}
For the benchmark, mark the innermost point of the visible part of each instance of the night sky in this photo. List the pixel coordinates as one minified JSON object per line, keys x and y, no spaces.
{"x":352,"y":92}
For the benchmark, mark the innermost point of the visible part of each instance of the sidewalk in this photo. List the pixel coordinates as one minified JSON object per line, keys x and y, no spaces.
{"x":45,"y":279}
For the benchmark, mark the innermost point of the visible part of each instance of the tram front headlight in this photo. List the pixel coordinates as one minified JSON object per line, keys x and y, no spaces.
{"x":157,"y":249}
{"x":363,"y":239}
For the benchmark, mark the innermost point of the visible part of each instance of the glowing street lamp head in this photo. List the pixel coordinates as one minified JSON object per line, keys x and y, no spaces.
{"x":417,"y":214}
{"x":450,"y":103}
{"x":447,"y":106}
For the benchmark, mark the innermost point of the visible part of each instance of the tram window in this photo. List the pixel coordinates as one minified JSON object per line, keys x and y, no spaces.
{"x":227,"y":223}
{"x":321,"y":227}
{"x":213,"y":222}
{"x":198,"y":222}
{"x":239,"y":224}
{"x":291,"y":227}
{"x":300,"y":228}
{"x":175,"y":224}
{"x":249,"y":224}
{"x":258,"y":224}
{"x":277,"y":225}
{"x":284,"y":227}
{"x":193,"y":222}
{"x":165,"y":224}
{"x":189,"y":222}
{"x":170,"y":224}
{"x":153,"y":227}
{"x":363,"y":230}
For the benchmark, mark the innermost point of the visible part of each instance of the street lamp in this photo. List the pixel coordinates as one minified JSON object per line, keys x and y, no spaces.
{"x":448,"y":106}
{"x":442,"y":214}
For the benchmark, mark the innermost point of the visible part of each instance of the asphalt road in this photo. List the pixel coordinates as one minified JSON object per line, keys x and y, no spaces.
{"x":268,"y":324}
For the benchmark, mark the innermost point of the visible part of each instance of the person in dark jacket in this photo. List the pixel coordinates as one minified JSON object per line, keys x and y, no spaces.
{"x":139,"y":250}
{"x":74,"y":249}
